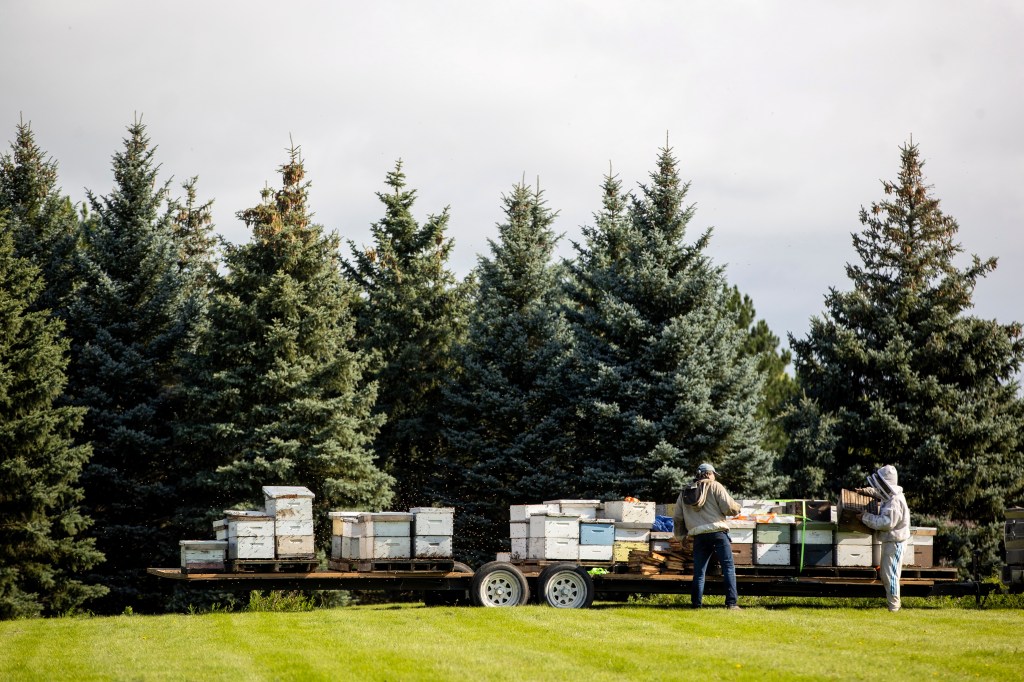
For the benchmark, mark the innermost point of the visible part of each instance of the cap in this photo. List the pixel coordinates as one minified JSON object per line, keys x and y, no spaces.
{"x":706,"y":468}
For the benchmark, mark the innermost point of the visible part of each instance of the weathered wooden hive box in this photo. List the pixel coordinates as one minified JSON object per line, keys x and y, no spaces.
{"x":1013,"y":536}
{"x":923,"y":546}
{"x":820,"y":511}
{"x":741,"y":535}
{"x":636,"y":512}
{"x":585,"y":509}
{"x":851,"y":505}
{"x":292,"y":509}
{"x":203,"y":556}
{"x":661,"y":541}
{"x":250,"y":534}
{"x":622,"y":548}
{"x":630,"y":532}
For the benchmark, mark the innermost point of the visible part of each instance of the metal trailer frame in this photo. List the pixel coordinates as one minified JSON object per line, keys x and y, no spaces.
{"x":570,"y":585}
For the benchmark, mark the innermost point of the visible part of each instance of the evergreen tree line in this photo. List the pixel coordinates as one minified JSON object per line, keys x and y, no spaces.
{"x":152,"y":375}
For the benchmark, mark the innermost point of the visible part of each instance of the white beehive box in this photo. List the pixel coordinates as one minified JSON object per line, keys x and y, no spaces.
{"x":518,"y":529}
{"x":553,"y":548}
{"x":293,"y":527}
{"x":385,"y":547}
{"x":586,"y":509}
{"x":661,"y":541}
{"x":812,"y":534}
{"x":742,"y":536}
{"x":520,"y":549}
{"x":220,"y":529}
{"x":503,"y":556}
{"x":853,"y":555}
{"x":344,"y":547}
{"x":849,"y":538}
{"x":773,"y":533}
{"x":772,"y":555}
{"x":630,"y":512}
{"x":555,"y":526}
{"x":288,"y":502}
{"x":203,"y":555}
{"x":523,"y":512}
{"x":629,"y":533}
{"x":433,"y":520}
{"x":294,"y":546}
{"x":339,"y":519}
{"x":249,"y":524}
{"x":432,"y":546}
{"x":386,"y":524}
{"x":251,"y":547}
{"x":596,"y":552}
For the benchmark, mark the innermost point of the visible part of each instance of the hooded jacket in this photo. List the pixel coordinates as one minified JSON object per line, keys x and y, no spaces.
{"x":892,"y":522}
{"x":708,"y":514}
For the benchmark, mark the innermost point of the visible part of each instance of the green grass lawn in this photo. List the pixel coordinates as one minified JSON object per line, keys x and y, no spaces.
{"x":656,"y":640}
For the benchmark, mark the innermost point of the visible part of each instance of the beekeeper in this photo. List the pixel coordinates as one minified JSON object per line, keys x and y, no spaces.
{"x":892,"y":528}
{"x":700,"y":512}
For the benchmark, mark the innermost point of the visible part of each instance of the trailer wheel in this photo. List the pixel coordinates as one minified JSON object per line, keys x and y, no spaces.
{"x":566,"y":586}
{"x":500,"y":584}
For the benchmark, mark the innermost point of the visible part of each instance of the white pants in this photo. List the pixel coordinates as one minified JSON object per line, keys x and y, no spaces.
{"x":891,"y":570}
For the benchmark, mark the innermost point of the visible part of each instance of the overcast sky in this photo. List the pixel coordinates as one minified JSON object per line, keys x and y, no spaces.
{"x":785,"y":116}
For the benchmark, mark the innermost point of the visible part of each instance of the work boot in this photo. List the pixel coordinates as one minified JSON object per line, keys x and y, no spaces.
{"x":734,"y":607}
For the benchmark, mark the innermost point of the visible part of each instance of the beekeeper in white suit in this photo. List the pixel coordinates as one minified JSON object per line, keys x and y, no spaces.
{"x":892,"y":528}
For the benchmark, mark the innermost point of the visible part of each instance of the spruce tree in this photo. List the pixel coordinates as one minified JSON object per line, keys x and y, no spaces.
{"x":508,"y":425}
{"x":662,"y":380}
{"x":276,"y":393}
{"x":129,"y":323}
{"x":896,"y":371}
{"x":42,"y":221}
{"x":779,"y":387}
{"x":412,"y":316}
{"x":42,"y":551}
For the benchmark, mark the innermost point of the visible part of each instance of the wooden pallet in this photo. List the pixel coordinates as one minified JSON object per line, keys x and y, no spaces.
{"x":283,"y":565}
{"x":391,"y":565}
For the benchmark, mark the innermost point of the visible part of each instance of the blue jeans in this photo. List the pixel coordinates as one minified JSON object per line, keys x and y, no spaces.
{"x":704,"y":545}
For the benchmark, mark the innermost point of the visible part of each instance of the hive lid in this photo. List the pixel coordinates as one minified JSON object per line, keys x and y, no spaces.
{"x":280,"y":491}
{"x":433,"y":510}
{"x":244,"y":514}
{"x":345,"y":514}
{"x":385,"y":517}
{"x":212,"y":544}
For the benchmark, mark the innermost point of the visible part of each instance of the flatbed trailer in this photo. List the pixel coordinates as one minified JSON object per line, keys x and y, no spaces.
{"x":576,"y":585}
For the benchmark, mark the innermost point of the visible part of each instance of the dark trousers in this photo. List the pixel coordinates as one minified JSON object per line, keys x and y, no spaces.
{"x":704,"y":545}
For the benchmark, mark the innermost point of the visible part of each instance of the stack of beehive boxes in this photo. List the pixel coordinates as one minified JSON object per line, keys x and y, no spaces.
{"x":580,"y":530}
{"x":432,"y":530}
{"x":633,"y":520}
{"x":292,"y":510}
{"x":249,"y":534}
{"x":420,"y":533}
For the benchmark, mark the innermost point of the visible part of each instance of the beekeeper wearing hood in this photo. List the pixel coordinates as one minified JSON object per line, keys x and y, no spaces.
{"x":892,"y":528}
{"x":700,"y":512}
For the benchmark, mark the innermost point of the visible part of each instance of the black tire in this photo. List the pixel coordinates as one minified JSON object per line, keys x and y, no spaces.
{"x":499,"y":584}
{"x":566,"y":586}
